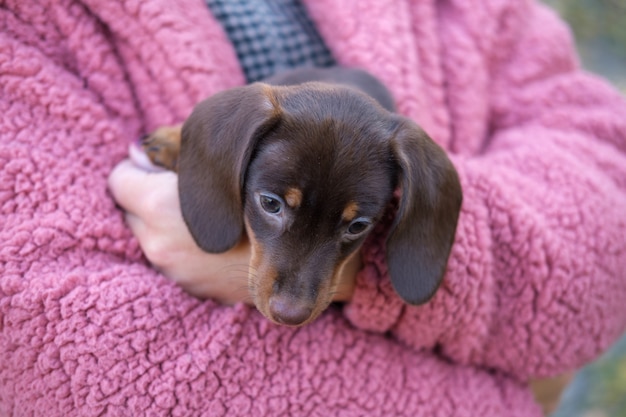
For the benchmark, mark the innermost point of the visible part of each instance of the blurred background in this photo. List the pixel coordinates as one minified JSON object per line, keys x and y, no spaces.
{"x":599,"y":26}
{"x":600,"y":30}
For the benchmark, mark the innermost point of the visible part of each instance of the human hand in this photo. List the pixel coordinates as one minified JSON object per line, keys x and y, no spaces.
{"x":150,"y":198}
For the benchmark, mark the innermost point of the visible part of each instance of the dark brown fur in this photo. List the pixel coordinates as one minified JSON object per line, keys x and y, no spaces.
{"x":333,"y":155}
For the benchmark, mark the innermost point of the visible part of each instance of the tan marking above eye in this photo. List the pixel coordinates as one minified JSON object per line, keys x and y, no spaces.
{"x":293,"y":197}
{"x":350,"y":211}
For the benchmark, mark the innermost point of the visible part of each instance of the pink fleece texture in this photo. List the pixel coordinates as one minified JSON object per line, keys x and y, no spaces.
{"x":535,"y":284}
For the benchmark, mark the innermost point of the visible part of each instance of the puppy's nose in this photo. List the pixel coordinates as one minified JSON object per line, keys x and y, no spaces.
{"x":287,"y":310}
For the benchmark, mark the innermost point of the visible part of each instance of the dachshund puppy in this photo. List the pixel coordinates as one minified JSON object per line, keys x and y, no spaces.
{"x":306,"y":163}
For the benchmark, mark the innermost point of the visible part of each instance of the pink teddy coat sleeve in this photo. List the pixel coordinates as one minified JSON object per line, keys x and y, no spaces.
{"x":535,"y":283}
{"x":87,"y":328}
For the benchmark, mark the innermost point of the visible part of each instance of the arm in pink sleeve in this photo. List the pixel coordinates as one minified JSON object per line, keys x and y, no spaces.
{"x":535,"y":283}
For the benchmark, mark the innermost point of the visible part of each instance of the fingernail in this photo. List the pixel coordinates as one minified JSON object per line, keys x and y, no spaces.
{"x":141,"y":160}
{"x":141,"y":139}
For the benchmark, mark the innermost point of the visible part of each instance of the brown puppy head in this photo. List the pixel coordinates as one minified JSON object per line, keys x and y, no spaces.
{"x":313,"y":168}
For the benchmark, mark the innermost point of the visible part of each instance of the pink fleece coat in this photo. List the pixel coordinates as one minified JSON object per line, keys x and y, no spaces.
{"x":536,"y":282}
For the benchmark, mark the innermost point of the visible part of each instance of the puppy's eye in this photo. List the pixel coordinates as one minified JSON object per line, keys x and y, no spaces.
{"x":358,"y":226}
{"x":271,"y":203}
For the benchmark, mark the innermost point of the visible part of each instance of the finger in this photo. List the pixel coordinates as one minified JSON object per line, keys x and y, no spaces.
{"x":149,"y":242}
{"x":136,"y":225}
{"x":140,"y":158}
{"x":135,"y":189}
{"x":151,"y":245}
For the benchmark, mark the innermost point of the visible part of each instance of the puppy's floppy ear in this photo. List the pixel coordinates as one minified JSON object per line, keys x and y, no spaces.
{"x":217,"y":142}
{"x":422,"y":234}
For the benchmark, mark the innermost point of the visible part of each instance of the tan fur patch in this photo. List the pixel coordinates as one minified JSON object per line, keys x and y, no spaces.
{"x":261,"y":274}
{"x":256,"y":249}
{"x":329,"y":288}
{"x":293,"y":197}
{"x":350,"y":212}
{"x":163,"y":146}
{"x":272,"y":102}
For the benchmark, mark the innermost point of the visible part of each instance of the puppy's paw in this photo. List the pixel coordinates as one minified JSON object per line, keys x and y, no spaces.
{"x":162,"y":146}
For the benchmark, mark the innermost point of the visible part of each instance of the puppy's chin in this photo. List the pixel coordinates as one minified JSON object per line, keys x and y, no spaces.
{"x":282,"y":308}
{"x":285,"y":309}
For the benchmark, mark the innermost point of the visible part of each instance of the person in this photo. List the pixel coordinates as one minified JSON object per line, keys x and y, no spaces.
{"x":534,"y":284}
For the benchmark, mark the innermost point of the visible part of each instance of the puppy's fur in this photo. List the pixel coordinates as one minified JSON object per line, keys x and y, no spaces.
{"x":307,"y":162}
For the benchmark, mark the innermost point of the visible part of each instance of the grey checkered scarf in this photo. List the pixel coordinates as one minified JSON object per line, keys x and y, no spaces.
{"x":270,"y":35}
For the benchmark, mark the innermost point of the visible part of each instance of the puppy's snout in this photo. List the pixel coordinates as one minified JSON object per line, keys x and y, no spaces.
{"x":290,"y":311}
